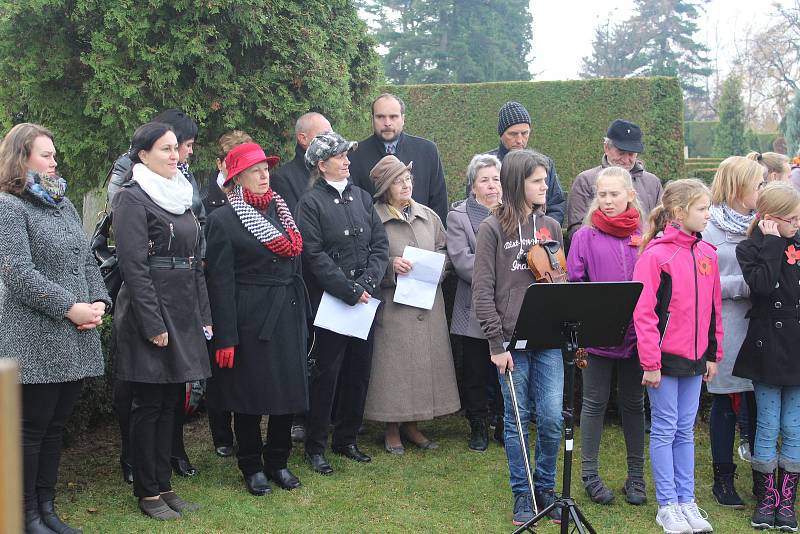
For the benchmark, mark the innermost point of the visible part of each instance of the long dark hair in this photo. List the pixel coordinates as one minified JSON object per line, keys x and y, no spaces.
{"x":146,"y":136}
{"x":184,"y":127}
{"x":517,"y":165}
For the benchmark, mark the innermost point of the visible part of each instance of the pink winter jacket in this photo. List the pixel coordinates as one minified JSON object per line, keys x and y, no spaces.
{"x":678,"y":317}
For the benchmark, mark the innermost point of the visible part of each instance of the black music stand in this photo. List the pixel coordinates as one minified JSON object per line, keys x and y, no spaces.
{"x":591,"y":314}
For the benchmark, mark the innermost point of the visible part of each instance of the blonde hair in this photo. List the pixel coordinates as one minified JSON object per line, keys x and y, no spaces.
{"x":15,"y":150}
{"x":778,"y":199}
{"x":678,"y":194}
{"x":627,"y":183}
{"x":734,"y":175}
{"x":771,"y":161}
{"x":227,"y":142}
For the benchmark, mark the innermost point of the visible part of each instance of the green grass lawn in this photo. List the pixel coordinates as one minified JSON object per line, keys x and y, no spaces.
{"x":446,"y":490}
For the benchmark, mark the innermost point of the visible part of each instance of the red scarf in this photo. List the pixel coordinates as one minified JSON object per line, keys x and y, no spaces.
{"x":261,"y":228}
{"x":622,"y":225}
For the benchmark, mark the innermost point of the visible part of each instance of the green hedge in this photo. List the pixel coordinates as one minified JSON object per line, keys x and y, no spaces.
{"x":569,"y":118}
{"x":699,"y":137}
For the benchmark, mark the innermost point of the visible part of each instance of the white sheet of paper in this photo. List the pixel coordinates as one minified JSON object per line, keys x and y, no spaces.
{"x":418,"y":287}
{"x":338,"y":316}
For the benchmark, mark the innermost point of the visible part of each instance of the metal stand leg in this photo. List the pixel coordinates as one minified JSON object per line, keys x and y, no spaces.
{"x":522,"y":444}
{"x":569,"y":510}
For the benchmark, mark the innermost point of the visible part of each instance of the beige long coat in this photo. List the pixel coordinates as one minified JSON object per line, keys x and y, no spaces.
{"x":413,"y":378}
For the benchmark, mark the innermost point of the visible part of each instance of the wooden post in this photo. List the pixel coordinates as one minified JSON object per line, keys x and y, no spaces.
{"x":93,"y":203}
{"x":10,"y":448}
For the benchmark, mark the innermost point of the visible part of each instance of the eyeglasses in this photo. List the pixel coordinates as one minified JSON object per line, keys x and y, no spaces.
{"x":400,"y":181}
{"x":794,"y":221}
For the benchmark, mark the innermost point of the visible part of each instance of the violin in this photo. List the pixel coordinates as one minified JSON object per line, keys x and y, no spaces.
{"x":547,"y":262}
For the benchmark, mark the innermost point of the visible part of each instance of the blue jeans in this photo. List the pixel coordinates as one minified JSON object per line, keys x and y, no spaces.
{"x":539,"y":383}
{"x":673,"y":408}
{"x":778,"y":413}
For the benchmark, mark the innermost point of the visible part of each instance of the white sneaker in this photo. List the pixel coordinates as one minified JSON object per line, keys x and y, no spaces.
{"x":671,"y":519}
{"x":696,"y":517}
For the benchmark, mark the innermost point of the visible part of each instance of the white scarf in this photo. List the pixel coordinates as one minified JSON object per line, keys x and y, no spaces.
{"x":172,"y":194}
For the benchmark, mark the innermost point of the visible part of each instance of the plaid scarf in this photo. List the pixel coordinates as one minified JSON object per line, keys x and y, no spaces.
{"x":248,"y":206}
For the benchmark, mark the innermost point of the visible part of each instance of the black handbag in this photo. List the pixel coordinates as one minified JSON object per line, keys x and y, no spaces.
{"x":106,"y":256}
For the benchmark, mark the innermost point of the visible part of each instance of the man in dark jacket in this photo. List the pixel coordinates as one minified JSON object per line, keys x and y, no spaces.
{"x":291,"y":179}
{"x":514,"y":129}
{"x":621,"y":148}
{"x":388,"y":119}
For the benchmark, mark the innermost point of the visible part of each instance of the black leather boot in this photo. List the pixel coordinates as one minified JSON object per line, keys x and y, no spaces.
{"x":785,"y":516}
{"x":47,"y":511}
{"x":479,"y":435}
{"x":724,"y":490}
{"x":34,"y":523}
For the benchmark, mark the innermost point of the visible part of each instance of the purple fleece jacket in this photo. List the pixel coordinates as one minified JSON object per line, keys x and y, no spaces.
{"x":596,"y":256}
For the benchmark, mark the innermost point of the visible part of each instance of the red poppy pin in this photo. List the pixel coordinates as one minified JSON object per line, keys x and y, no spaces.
{"x":704,"y":266}
{"x":792,"y":255}
{"x":636,"y":240}
{"x":543,"y":234}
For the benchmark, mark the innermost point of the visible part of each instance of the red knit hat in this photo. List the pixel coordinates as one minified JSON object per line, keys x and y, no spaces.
{"x":245,"y":156}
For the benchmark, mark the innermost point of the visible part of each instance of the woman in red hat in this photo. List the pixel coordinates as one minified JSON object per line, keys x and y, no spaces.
{"x":258,"y":301}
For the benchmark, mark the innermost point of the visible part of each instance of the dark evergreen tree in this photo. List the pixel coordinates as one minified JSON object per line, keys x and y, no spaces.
{"x":658,"y":39}
{"x":459,"y":41}
{"x":791,"y":126}
{"x":729,"y":135}
{"x":93,"y":70}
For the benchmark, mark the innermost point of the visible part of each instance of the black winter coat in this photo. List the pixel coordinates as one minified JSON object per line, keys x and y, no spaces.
{"x":213,"y":198}
{"x":154,"y":300}
{"x":430,"y":188}
{"x":345,"y":248}
{"x":769,"y":352}
{"x":121,"y":173}
{"x":291,"y":180}
{"x":259,"y":305}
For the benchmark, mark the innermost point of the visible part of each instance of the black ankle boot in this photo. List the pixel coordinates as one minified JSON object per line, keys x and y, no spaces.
{"x":127,"y":470}
{"x":724,"y":490}
{"x":785,"y":517}
{"x":479,"y":436}
{"x":34,"y":523}
{"x":764,"y":515}
{"x":47,"y":511}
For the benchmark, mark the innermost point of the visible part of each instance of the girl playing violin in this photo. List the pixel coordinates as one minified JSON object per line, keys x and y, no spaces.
{"x":499,"y":280}
{"x":605,"y":250}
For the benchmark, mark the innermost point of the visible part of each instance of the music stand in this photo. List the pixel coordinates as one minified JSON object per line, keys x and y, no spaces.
{"x":590,"y":314}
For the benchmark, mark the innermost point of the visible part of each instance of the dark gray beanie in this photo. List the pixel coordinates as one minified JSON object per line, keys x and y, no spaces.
{"x":510,"y":114}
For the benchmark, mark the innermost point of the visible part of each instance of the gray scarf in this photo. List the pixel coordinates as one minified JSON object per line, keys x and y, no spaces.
{"x":731,"y":220}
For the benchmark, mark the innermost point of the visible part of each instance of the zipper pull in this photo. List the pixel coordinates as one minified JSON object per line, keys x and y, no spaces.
{"x":171,"y":235}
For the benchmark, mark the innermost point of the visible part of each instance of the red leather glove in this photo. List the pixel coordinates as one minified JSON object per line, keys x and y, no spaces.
{"x":225,"y":357}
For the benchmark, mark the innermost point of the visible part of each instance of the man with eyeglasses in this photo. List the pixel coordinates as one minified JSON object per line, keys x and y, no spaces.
{"x":621,"y":148}
{"x":514,"y":129}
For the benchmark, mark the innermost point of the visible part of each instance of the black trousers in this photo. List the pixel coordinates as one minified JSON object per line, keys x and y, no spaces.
{"x":479,"y":382}
{"x":341,"y":370}
{"x":123,"y":397}
{"x":152,"y":418}
{"x":45,"y":410}
{"x":219,"y":421}
{"x":274,"y":452}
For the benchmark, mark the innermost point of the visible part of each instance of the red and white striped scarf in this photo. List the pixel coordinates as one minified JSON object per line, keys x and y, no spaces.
{"x":248,"y":206}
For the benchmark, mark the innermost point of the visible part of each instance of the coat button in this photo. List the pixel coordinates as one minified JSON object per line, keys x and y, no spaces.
{"x":76,"y":250}
{"x":778,"y":324}
{"x":56,"y":214}
{"x":75,"y":271}
{"x":420,"y":317}
{"x":778,"y":305}
{"x":759,"y":344}
{"x":274,"y":260}
{"x":294,"y":303}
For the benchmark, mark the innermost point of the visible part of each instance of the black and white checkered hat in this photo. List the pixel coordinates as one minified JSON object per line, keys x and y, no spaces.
{"x":510,"y":114}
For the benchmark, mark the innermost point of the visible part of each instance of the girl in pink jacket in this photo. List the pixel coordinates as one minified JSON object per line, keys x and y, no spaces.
{"x":679,"y":339}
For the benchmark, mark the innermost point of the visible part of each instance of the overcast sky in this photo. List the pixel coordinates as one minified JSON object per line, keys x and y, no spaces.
{"x":563,"y":30}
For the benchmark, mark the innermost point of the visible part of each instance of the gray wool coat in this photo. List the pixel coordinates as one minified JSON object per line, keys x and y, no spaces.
{"x":461,"y":250}
{"x":735,"y":305}
{"x":46,"y":267}
{"x":413,"y":377}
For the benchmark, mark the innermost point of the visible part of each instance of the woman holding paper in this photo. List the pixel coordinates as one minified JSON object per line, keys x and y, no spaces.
{"x":413,"y":378}
{"x":258,"y":302}
{"x":345,"y":257}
